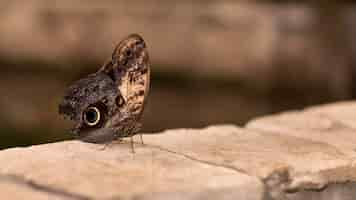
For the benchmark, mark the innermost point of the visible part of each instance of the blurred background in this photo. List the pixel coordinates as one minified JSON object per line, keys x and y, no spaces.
{"x":213,"y":62}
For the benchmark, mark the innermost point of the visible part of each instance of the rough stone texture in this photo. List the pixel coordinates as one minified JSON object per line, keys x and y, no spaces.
{"x":294,"y":155}
{"x":82,"y":171}
{"x":14,"y":190}
{"x":329,"y":127}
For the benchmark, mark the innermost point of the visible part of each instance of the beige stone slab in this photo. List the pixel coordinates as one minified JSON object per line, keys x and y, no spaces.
{"x":298,"y":163}
{"x":342,"y":112}
{"x":11,"y":190}
{"x":88,"y":171}
{"x":330,"y":124}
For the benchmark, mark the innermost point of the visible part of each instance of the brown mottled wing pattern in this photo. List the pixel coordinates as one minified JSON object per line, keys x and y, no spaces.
{"x":131,"y":68}
{"x":108,"y":104}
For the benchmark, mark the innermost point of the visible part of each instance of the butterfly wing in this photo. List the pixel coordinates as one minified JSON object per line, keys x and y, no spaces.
{"x":130,"y":68}
{"x":108,"y":104}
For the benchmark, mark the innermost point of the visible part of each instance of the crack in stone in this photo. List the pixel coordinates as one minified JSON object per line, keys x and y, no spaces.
{"x":199,"y":160}
{"x":266,"y":189}
{"x":19,"y":180}
{"x":275,"y":185}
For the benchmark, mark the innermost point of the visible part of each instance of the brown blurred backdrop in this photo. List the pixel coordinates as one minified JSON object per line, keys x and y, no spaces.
{"x":212,"y":61}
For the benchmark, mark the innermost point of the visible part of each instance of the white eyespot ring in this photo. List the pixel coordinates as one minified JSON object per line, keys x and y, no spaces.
{"x":91,"y":116}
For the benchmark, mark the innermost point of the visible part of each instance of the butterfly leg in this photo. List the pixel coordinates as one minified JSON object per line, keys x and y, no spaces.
{"x":141,"y":139}
{"x":104,"y":146}
{"x":136,"y":128}
{"x":132,"y":145}
{"x":109,"y":144}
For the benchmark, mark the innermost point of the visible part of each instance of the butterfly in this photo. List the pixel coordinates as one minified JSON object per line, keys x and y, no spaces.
{"x":108,"y":104}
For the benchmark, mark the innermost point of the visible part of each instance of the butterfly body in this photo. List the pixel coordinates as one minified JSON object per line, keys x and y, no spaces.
{"x":108,"y":104}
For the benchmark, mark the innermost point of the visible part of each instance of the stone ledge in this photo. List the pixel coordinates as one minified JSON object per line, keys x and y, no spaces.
{"x":88,"y":171}
{"x":306,"y":154}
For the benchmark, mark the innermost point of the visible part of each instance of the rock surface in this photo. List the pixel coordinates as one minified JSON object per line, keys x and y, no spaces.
{"x":295,"y":155}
